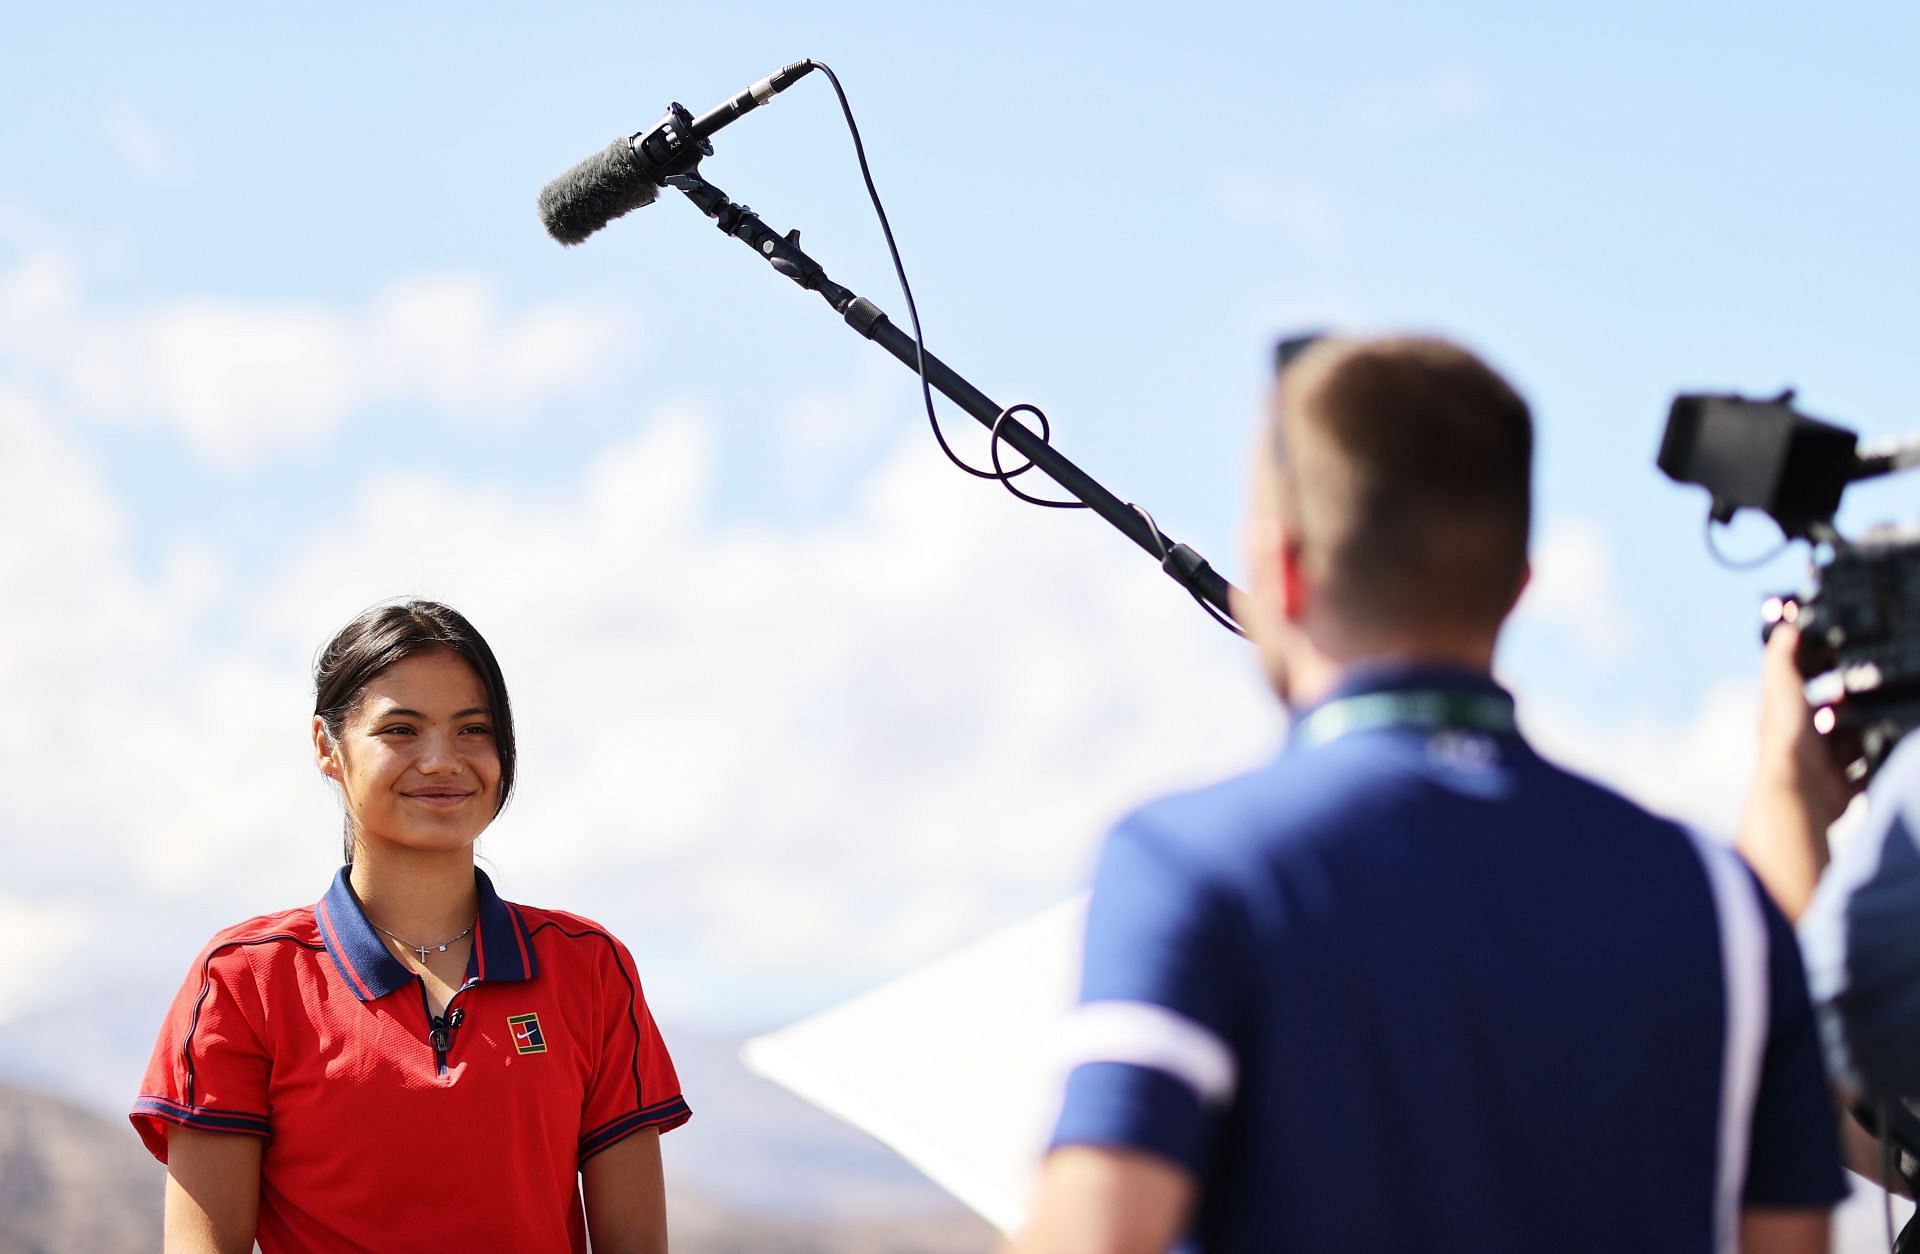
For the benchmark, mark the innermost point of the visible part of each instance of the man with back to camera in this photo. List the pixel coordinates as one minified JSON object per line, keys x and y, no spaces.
{"x":1408,"y":986}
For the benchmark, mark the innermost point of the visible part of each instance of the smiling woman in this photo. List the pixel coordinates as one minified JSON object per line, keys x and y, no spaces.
{"x":411,"y":1062}
{"x":366,"y":682}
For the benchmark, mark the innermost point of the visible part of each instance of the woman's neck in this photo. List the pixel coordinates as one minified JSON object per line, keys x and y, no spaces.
{"x":424,"y":896}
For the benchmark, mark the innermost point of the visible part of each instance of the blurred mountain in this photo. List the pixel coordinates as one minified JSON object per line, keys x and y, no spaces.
{"x":91,"y":1047}
{"x":72,"y":1180}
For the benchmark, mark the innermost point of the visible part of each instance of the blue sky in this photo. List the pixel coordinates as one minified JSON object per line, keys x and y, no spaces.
{"x":280,"y":335}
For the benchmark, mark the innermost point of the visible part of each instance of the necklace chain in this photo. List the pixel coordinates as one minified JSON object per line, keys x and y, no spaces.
{"x":424,"y":950}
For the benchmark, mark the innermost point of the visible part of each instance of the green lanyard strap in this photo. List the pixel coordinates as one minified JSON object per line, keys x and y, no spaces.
{"x":1485,"y":712}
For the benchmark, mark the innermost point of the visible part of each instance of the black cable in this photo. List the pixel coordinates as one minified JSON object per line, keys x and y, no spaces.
{"x":1153,"y":528}
{"x":1004,"y":475}
{"x":1220,"y":618}
{"x":1745,"y":563}
{"x":998,"y":474}
{"x":1160,"y":545}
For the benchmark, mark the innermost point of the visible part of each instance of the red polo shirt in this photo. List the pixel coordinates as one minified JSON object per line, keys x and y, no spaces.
{"x":387,"y":1129}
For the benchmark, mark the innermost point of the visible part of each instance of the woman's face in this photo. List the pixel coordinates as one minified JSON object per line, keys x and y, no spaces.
{"x":416,"y":760}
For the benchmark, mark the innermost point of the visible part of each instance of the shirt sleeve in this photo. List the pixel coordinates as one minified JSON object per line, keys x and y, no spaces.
{"x":633,"y":1086}
{"x":1794,"y":1162}
{"x":209,"y":1069}
{"x":1149,"y":1046}
{"x":1860,"y":939}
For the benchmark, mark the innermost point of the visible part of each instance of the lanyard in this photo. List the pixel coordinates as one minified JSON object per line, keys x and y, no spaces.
{"x":1485,"y":712}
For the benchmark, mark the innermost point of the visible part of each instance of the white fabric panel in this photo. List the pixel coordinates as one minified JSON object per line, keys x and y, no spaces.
{"x":950,"y":1063}
{"x":1743,"y":961}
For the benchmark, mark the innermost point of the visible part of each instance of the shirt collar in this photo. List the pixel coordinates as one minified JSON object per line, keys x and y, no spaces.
{"x":502,"y":949}
{"x":1394,"y":675}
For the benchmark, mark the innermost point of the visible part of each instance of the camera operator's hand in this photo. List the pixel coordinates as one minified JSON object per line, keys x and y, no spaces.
{"x":1799,"y":788}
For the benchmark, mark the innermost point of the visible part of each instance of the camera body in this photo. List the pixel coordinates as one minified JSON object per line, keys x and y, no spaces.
{"x":1859,"y":621}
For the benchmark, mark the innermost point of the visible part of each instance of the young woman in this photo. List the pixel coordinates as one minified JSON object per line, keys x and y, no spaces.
{"x":410,"y":1062}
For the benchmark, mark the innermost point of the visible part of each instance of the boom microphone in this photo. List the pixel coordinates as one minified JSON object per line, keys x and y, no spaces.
{"x":595,"y":192}
{"x":630,"y":173}
{"x":750,"y":99}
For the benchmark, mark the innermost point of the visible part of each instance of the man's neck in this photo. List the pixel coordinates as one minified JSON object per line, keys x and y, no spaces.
{"x":1315,"y":677}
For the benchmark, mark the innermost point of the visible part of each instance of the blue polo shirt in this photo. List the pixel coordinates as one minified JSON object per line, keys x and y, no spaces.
{"x":1411,"y":987}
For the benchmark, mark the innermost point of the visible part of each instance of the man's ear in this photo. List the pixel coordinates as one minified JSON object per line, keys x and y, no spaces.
{"x":1295,"y":592}
{"x":326,"y":754}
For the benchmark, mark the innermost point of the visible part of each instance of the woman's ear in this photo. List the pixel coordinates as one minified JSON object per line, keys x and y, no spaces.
{"x":326,"y":754}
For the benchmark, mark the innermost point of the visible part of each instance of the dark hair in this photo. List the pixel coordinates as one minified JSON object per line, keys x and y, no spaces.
{"x":387,"y":634}
{"x":1406,"y":465}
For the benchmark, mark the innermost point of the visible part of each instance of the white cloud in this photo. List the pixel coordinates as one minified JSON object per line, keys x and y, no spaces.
{"x":1418,"y":104}
{"x":447,"y":339}
{"x":37,"y":937}
{"x":242,"y":380}
{"x":137,"y":140}
{"x":1694,"y":765}
{"x":237,"y":380}
{"x":32,"y":235}
{"x":1691,"y":762}
{"x":126,"y":734}
{"x":1576,"y":589}
{"x":819,"y":426}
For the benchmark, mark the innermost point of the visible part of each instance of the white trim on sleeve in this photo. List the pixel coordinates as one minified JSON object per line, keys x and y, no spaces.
{"x":1743,"y":963}
{"x":1141,"y":1034}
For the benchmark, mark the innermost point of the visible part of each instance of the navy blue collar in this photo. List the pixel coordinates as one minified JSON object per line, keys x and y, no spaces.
{"x":1379,"y":677}
{"x":502,"y":949}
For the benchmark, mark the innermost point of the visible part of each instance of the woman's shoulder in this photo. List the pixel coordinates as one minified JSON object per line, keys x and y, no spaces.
{"x":541,"y":919}
{"x":294,"y":926}
{"x":248,"y":954}
{"x":564,"y":934}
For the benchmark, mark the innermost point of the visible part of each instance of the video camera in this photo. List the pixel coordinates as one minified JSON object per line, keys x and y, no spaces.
{"x":1859,"y":621}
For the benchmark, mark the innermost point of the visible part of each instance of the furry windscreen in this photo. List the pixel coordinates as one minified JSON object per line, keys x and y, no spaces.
{"x":594,"y":193}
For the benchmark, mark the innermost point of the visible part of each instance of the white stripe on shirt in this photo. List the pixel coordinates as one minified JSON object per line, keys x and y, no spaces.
{"x":1141,"y":1034}
{"x":1743,"y":963}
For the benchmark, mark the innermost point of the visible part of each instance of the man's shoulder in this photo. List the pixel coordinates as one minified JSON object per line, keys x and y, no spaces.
{"x":1290,"y":804}
{"x":1584,"y":800}
{"x":1289,"y":799}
